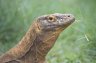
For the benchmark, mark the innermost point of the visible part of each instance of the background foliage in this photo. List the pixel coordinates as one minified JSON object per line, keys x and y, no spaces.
{"x":77,"y":44}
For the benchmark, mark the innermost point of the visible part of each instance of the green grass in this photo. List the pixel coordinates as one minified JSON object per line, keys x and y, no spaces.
{"x":76,"y":44}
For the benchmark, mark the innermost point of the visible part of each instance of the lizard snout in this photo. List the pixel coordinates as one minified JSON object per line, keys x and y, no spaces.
{"x":68,"y":18}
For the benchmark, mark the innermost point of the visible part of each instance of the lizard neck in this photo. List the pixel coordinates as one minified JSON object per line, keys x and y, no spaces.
{"x":41,"y":46}
{"x":33,"y":47}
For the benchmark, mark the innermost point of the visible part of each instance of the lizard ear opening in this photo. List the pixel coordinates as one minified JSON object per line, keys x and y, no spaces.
{"x":37,"y":27}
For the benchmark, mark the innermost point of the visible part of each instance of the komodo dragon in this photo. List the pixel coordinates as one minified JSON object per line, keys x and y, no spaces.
{"x":39,"y":39}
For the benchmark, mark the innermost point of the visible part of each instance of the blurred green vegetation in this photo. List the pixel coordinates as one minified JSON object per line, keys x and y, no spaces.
{"x":77,"y":44}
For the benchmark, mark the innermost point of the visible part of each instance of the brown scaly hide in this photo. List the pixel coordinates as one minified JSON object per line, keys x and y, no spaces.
{"x":32,"y":48}
{"x":39,"y":39}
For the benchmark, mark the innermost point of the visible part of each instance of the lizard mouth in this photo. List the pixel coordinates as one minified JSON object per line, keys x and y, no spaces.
{"x":69,"y":21}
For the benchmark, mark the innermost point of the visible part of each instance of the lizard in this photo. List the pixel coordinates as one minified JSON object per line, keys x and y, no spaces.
{"x":39,"y":39}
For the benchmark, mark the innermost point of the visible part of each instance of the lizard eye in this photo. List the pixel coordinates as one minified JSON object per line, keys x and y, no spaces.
{"x":51,"y":18}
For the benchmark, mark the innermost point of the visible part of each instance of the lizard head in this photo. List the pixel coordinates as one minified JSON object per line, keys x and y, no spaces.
{"x":53,"y":22}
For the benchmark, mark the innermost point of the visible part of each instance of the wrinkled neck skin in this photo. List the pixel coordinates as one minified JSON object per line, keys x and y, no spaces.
{"x":33,"y":47}
{"x":41,"y":46}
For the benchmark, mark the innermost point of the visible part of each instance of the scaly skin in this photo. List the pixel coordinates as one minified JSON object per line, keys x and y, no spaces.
{"x":39,"y":39}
